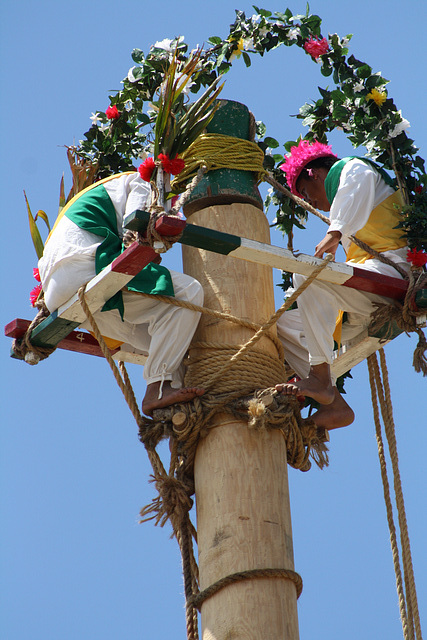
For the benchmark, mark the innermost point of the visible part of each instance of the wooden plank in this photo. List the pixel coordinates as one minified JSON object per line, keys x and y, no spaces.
{"x":78,"y":341}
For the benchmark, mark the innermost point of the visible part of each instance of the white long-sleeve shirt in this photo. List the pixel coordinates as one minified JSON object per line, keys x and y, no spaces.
{"x":361,"y":189}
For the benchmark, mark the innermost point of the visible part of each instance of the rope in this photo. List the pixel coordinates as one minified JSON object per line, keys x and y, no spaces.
{"x":24,"y":348}
{"x":215,"y":314}
{"x":218,"y":151}
{"x":408,"y":603}
{"x":251,"y":574}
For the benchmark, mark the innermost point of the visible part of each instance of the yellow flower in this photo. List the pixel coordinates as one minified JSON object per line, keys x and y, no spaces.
{"x":238,"y":52}
{"x":379,"y":97}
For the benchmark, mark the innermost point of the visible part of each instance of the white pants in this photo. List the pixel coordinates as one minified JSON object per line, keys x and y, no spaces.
{"x":306,"y":333}
{"x":160,"y":330}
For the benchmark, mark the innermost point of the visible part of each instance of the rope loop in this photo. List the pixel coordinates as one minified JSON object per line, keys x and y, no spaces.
{"x":251,"y":574}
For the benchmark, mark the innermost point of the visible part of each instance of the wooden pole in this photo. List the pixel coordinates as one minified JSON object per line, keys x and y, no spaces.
{"x":242,"y":496}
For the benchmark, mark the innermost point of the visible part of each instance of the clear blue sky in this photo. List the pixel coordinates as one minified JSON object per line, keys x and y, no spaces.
{"x":75,"y":563}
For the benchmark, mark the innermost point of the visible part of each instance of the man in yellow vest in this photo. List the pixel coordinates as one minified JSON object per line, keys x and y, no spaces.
{"x":362,"y":202}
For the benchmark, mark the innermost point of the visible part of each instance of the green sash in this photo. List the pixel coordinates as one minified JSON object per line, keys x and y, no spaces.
{"x":94,"y":211}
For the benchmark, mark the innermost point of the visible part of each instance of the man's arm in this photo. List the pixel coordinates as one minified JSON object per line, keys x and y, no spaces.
{"x":329,"y":244}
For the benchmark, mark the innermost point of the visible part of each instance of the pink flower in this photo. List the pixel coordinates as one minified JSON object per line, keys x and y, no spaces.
{"x":416,"y":257}
{"x":173,"y":166}
{"x":146,"y":169}
{"x":35,"y":294}
{"x":36,"y":274}
{"x":316,"y":47}
{"x":112,"y":113}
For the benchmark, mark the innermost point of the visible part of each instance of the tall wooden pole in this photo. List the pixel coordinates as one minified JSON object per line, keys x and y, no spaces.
{"x":241,"y":484}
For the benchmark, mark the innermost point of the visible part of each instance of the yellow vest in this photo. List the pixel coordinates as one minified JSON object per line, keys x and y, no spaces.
{"x":380,"y":233}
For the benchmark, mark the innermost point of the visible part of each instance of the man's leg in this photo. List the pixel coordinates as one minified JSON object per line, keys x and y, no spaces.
{"x":170,"y":330}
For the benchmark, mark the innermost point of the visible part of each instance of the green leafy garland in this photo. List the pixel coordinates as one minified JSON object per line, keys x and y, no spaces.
{"x":359,"y":105}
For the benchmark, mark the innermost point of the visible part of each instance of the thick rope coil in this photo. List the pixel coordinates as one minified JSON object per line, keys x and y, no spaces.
{"x":408,"y":603}
{"x":265,"y":409}
{"x":218,"y":151}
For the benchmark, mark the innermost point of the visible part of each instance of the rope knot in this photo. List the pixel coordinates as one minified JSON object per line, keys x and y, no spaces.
{"x":172,"y":503}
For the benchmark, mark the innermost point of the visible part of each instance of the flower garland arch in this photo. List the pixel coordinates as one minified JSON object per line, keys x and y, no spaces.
{"x":359,"y":105}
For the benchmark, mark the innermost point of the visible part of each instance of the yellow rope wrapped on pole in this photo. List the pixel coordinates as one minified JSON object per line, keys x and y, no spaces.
{"x":218,"y":151}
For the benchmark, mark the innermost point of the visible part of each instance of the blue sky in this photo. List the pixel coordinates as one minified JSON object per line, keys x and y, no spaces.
{"x":75,"y":563}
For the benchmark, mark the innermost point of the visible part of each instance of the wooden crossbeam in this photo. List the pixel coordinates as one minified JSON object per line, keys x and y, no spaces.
{"x":59,"y":329}
{"x":280,"y":258}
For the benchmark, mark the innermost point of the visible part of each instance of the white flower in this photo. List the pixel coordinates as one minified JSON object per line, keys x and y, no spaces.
{"x":256,"y":17}
{"x":181,"y":80}
{"x":401,"y":126}
{"x":166,"y":44}
{"x":358,"y":87}
{"x":163,"y":44}
{"x":104,"y":126}
{"x":293,"y":33}
{"x":94,"y":118}
{"x":263,"y":31}
{"x":248,"y":43}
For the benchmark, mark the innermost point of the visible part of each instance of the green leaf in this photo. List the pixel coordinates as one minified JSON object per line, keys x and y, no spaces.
{"x":246,"y":58}
{"x":215,"y":40}
{"x":35,"y":233}
{"x":271,"y":142}
{"x":364,"y":71}
{"x":138,"y":56}
{"x":326,"y":70}
{"x":340,"y":113}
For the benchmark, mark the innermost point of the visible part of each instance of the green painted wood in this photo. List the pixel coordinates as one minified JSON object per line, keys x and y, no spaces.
{"x":225,"y":186}
{"x":193,"y":235}
{"x":52,"y":330}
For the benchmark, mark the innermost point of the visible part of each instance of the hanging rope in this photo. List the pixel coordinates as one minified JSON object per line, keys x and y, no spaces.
{"x":408,"y":603}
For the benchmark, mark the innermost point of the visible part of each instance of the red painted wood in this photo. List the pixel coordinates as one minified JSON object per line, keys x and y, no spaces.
{"x":365,"y":280}
{"x":136,"y":257}
{"x":78,"y":341}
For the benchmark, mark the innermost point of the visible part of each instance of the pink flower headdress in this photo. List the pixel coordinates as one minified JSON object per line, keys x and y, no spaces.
{"x":301,"y":155}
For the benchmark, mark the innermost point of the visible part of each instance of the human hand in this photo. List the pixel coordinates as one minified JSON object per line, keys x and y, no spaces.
{"x":329,"y":244}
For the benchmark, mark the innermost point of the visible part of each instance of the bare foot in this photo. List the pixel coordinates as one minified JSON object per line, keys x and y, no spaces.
{"x":317,"y":385}
{"x":335,"y":415}
{"x":169,"y":396}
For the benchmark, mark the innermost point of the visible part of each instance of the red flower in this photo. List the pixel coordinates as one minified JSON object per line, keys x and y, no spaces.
{"x":173,"y":166}
{"x":35,"y":294}
{"x":416,"y":257}
{"x":418,"y":189}
{"x":112,"y":113}
{"x":36,"y":275}
{"x":316,"y":47}
{"x":146,"y":169}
